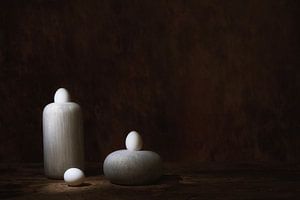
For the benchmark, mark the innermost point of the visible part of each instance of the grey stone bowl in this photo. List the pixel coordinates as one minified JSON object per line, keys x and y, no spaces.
{"x":126,"y":167}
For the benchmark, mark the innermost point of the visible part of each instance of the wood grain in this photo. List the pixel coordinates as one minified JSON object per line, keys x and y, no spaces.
{"x":198,"y":79}
{"x":190,"y":181}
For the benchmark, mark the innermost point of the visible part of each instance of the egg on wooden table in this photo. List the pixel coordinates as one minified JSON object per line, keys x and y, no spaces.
{"x":134,"y":141}
{"x":74,"y":176}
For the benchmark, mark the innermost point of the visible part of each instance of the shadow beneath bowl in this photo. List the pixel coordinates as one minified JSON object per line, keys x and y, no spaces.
{"x":170,"y":179}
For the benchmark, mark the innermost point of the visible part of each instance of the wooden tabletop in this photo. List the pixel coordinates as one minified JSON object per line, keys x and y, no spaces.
{"x":180,"y":181}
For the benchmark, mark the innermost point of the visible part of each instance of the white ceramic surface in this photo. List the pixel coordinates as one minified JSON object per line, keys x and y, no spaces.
{"x":62,"y":136}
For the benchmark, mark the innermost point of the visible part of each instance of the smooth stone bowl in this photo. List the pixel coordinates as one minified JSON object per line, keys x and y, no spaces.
{"x":127,"y":167}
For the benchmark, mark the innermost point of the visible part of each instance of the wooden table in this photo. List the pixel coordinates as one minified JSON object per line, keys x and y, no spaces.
{"x":180,"y":181}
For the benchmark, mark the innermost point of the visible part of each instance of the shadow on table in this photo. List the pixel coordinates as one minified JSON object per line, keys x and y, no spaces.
{"x":85,"y":184}
{"x":170,"y":179}
{"x":10,"y":190}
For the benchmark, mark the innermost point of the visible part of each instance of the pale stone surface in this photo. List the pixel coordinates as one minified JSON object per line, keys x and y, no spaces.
{"x":132,"y":167}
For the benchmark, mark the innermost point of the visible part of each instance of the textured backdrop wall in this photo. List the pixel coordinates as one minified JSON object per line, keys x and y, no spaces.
{"x":200,"y":80}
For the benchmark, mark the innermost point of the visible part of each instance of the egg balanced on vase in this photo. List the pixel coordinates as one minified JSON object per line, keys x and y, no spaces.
{"x":133,"y":166}
{"x":62,"y":135}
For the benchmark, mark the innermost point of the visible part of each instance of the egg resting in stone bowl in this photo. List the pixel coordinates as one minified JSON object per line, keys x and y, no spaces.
{"x":133,"y":166}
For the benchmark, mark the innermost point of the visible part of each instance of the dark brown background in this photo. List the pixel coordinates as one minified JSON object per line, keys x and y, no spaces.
{"x":200,"y":80}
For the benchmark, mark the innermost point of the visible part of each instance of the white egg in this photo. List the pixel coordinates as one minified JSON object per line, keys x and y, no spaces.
{"x":74,"y":176}
{"x":134,"y":141}
{"x":61,"y":96}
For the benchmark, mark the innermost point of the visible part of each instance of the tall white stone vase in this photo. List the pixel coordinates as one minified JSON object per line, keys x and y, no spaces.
{"x":62,"y":135}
